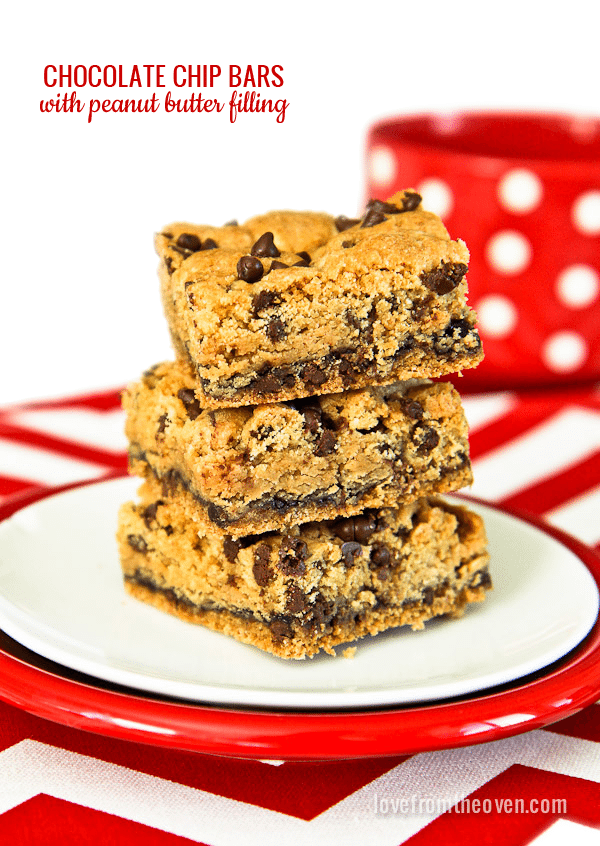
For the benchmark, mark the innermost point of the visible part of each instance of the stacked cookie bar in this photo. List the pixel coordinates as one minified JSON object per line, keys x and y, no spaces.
{"x":294,"y":452}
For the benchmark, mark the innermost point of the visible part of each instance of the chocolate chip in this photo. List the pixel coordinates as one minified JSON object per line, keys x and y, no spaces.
{"x":312,"y":418}
{"x":301,"y":263}
{"x":342,"y":223}
{"x":326,"y":444}
{"x":149,"y":513}
{"x":425,"y":439}
{"x":364,"y":526}
{"x":458,"y":327}
{"x":231,"y":548}
{"x":372,"y":218}
{"x":313,"y":375}
{"x":420,"y":306}
{"x":411,"y":201}
{"x":168,"y":529}
{"x":265,"y":247}
{"x":380,"y":555}
{"x":249,"y":269}
{"x":278,"y":265}
{"x":138,"y":543}
{"x":343,"y":528}
{"x":428,"y":596}
{"x":292,"y":553}
{"x":443,"y":279}
{"x":350,"y":551}
{"x":275,"y":329}
{"x":162,"y":423}
{"x":191,"y":404}
{"x":268,"y":383}
{"x":264,"y":300}
{"x":381,"y":207}
{"x":304,"y":255}
{"x":281,"y":629}
{"x":295,"y":600}
{"x":231,"y":223}
{"x":190,"y":294}
{"x":190,"y":242}
{"x":261,"y":570}
{"x":209,"y":244}
{"x":169,"y":264}
{"x":482,"y":579}
{"x":412,"y":409}
{"x":347,"y":244}
{"x":167,"y":234}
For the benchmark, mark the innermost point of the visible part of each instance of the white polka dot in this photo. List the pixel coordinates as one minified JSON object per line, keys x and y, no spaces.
{"x":586,"y":213}
{"x":520,"y":190}
{"x":437,"y":196}
{"x":508,"y":252}
{"x":564,"y":352}
{"x":497,"y":316}
{"x":382,"y":165}
{"x":578,"y":286}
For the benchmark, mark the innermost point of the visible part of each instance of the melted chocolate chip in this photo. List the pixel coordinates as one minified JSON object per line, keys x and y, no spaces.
{"x":443,"y":279}
{"x":342,"y":223}
{"x":264,"y":300}
{"x":350,"y":551}
{"x":428,"y":596}
{"x":265,"y":247}
{"x":231,"y":223}
{"x":169,"y":264}
{"x":188,"y":241}
{"x":483,"y":579}
{"x":269,"y":383}
{"x":149,"y":513}
{"x":261,"y":570}
{"x":209,"y":244}
{"x":425,"y":439}
{"x":191,"y":404}
{"x":137,"y":543}
{"x":281,"y":630}
{"x":275,"y":329}
{"x":412,"y":409}
{"x":313,"y":375}
{"x":162,"y":423}
{"x":295,"y":600}
{"x":312,"y":418}
{"x":231,"y":548}
{"x":347,"y":244}
{"x":292,"y":554}
{"x":458,"y":328}
{"x":326,"y":444}
{"x":250,"y":269}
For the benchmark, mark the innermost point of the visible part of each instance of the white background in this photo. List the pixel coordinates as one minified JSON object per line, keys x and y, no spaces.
{"x":79,"y":305}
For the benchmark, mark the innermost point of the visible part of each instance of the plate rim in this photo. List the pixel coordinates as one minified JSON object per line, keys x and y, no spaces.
{"x":288,"y":734}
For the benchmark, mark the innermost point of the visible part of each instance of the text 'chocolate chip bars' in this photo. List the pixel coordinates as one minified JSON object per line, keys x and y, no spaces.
{"x":294,"y":453}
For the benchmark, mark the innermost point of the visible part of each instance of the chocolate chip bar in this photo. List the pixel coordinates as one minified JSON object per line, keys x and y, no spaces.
{"x":261,"y":468}
{"x":294,"y":304}
{"x":314,"y":587}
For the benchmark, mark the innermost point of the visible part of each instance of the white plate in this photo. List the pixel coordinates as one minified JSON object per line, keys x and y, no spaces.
{"x":61,"y":595}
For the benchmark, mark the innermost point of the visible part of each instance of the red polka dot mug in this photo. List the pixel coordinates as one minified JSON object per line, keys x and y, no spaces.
{"x":523,"y":191}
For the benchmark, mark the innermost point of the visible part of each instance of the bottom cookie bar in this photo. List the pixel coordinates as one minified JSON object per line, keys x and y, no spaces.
{"x":315,"y":587}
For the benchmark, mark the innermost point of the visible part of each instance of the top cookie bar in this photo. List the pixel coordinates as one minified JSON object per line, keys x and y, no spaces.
{"x":293,"y":304}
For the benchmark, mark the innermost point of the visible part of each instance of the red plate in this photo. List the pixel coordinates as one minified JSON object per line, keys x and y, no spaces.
{"x":64,"y":696}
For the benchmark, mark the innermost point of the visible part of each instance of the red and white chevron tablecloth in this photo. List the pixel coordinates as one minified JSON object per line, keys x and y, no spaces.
{"x":535,"y":452}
